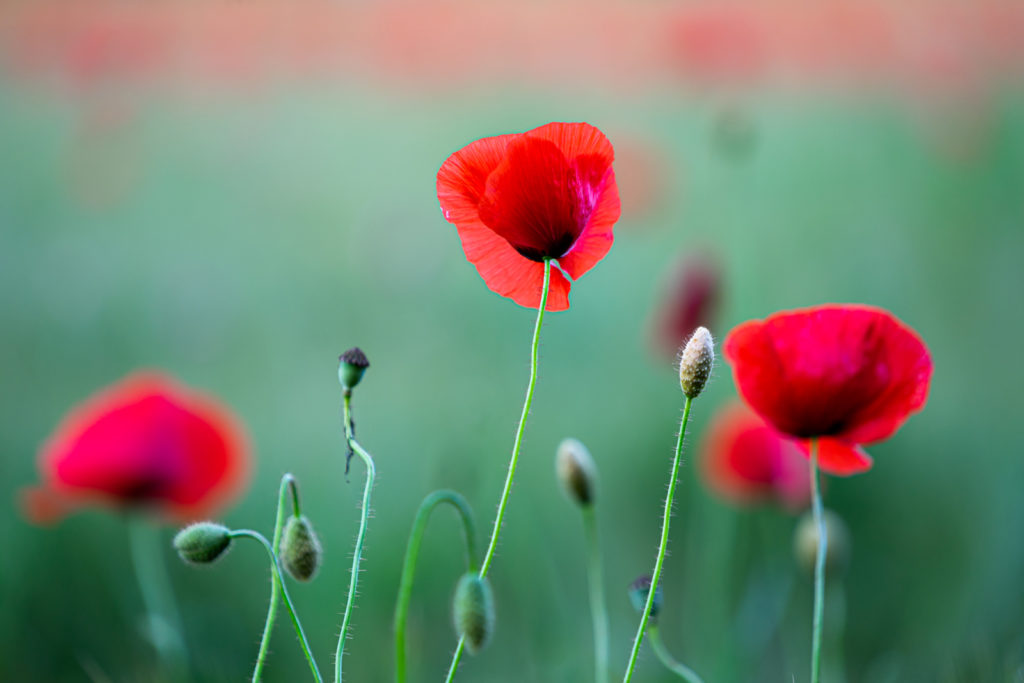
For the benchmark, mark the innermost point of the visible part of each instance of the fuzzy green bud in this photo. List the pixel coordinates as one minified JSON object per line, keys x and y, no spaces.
{"x":473,"y":611}
{"x":351,"y":366}
{"x":696,"y":362}
{"x":202,"y":542}
{"x":638,"y":592}
{"x":576,"y":471}
{"x":805,"y":542}
{"x":300,"y":549}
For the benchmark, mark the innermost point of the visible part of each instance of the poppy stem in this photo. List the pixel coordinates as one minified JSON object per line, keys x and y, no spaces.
{"x":412,"y":551}
{"x":287,"y":486}
{"x":275,"y":563}
{"x":489,"y":556}
{"x":598,"y":608}
{"x":819,"y":564}
{"x":361,"y":536}
{"x":656,"y":574}
{"x":670,"y":662}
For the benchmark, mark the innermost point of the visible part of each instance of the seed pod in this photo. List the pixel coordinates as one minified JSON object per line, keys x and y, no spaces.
{"x":300,"y":549}
{"x":638,"y":592}
{"x":576,"y":471}
{"x":805,"y":542}
{"x":351,"y":366}
{"x":473,"y":611}
{"x":202,"y":542}
{"x":697,"y":360}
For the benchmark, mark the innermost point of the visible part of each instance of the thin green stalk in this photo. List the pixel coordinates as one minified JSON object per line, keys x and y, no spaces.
{"x":287,"y":484}
{"x":819,"y":564}
{"x":670,"y":662}
{"x":515,"y":452}
{"x":656,"y":574}
{"x":412,"y":552}
{"x":163,"y":618}
{"x":276,"y":565}
{"x":371,"y":472}
{"x":598,"y":608}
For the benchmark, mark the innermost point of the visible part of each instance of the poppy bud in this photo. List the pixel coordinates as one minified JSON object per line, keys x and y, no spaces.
{"x":202,"y":542}
{"x":805,"y":542}
{"x":300,"y":549}
{"x":638,"y":592}
{"x":576,"y":470}
{"x":473,"y":611}
{"x":696,"y":362}
{"x":351,"y":366}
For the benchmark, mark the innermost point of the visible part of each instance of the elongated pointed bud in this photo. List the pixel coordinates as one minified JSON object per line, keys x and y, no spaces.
{"x":638,"y":592}
{"x":576,"y":471}
{"x":202,"y":542}
{"x":300,"y":549}
{"x":805,"y":542}
{"x":473,"y":611}
{"x":696,"y":363}
{"x":351,"y":366}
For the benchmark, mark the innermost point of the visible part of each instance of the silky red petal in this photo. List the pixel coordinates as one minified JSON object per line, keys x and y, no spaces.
{"x":597,"y":237}
{"x":576,"y":140}
{"x":839,"y":457}
{"x":463,"y":177}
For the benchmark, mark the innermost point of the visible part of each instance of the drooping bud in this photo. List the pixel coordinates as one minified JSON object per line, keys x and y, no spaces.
{"x":202,"y":542}
{"x":696,"y":362}
{"x":473,"y":611}
{"x":351,"y":366}
{"x":805,"y":542}
{"x":300,"y":549}
{"x":576,"y":471}
{"x":638,"y":592}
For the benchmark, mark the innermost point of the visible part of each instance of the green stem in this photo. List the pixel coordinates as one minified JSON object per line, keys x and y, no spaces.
{"x":598,"y":609}
{"x":287,"y":485}
{"x":276,"y":565}
{"x":360,"y":537}
{"x":656,"y":574}
{"x":515,"y":451}
{"x":163,"y":618}
{"x":670,"y":662}
{"x":819,"y":564}
{"x":412,"y":552}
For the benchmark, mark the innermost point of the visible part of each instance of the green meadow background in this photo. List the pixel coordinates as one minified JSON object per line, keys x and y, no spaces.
{"x":241,"y":239}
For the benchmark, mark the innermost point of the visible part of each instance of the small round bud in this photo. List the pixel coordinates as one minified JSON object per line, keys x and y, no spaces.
{"x":473,"y":611}
{"x":300,"y":549}
{"x":576,"y":471}
{"x":202,"y":542}
{"x":351,"y":366}
{"x":805,"y":542}
{"x":638,"y":592}
{"x":696,"y":362}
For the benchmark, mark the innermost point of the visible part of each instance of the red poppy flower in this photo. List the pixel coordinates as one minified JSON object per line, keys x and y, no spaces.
{"x":146,"y":441}
{"x":690,"y":301}
{"x":746,"y":461}
{"x":847,"y":374}
{"x":518,"y":200}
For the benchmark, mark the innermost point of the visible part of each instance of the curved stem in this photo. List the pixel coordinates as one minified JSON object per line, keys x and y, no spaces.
{"x":598,"y":608}
{"x":819,"y":565}
{"x":276,"y":564}
{"x":360,"y":537}
{"x":412,"y":551}
{"x":515,"y":450}
{"x":656,"y":574}
{"x":670,"y":662}
{"x":287,"y":485}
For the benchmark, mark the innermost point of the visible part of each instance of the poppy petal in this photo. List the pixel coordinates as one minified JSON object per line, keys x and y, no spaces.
{"x":597,"y":237}
{"x":839,"y":457}
{"x":576,"y":140}
{"x":463,"y":177}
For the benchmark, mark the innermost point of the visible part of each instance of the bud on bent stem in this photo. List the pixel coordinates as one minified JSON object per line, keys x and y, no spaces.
{"x":576,"y":471}
{"x":300,"y":549}
{"x":473,"y":611}
{"x":202,"y":542}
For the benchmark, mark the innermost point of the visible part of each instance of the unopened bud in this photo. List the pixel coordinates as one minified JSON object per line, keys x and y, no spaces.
{"x":300,"y":549}
{"x":351,"y":366}
{"x":473,"y":611}
{"x":805,"y":542}
{"x":696,"y":363}
{"x":638,"y":592}
{"x":202,"y":542}
{"x":576,"y":471}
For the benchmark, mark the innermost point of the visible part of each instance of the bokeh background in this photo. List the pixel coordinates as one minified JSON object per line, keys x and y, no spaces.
{"x":236,"y":192}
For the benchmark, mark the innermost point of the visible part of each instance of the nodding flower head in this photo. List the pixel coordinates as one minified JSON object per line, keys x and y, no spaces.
{"x":300,"y":549}
{"x":351,"y":366}
{"x":473,"y":611}
{"x":576,"y":471}
{"x":202,"y":542}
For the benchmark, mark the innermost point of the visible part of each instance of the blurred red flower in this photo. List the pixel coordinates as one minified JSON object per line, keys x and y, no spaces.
{"x":519,"y":199}
{"x":849,"y":374}
{"x":690,"y":300}
{"x":146,"y":441}
{"x":746,"y":461}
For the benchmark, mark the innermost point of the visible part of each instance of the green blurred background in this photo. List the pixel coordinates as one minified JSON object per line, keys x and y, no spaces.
{"x":241,"y":237}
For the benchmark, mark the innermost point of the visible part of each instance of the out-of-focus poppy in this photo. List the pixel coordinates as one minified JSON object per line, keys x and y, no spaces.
{"x":845,"y":374}
{"x":145,"y":442}
{"x":518,"y":200}
{"x":690,"y":301}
